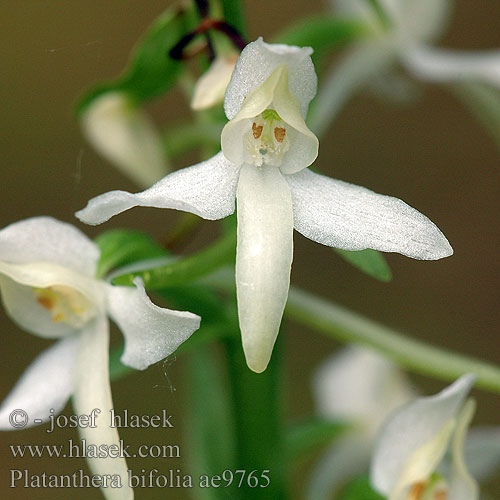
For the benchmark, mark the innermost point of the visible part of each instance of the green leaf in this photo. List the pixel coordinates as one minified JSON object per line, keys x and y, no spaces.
{"x":360,"y":489}
{"x":151,"y":71}
{"x":322,"y":33}
{"x":185,"y":269}
{"x":368,"y":261}
{"x":121,"y":247}
{"x":311,"y":434}
{"x":484,"y":102}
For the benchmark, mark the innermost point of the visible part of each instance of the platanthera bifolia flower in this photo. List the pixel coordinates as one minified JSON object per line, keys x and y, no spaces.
{"x":266,"y":147}
{"x":414,"y":441}
{"x":406,"y":38}
{"x":48,"y":286}
{"x":362,"y":388}
{"x":125,"y":136}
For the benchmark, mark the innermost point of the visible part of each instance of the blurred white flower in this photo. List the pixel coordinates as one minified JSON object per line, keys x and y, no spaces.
{"x":360,"y":387}
{"x":414,"y":441}
{"x":125,"y":136}
{"x":211,"y":86}
{"x":48,"y":287}
{"x":266,"y":147}
{"x":406,"y":38}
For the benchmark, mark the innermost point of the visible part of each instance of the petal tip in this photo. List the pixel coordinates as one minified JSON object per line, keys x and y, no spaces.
{"x":445,"y":249}
{"x":256,"y":365}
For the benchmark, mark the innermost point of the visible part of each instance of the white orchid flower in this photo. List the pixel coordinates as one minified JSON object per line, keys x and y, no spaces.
{"x":266,"y":147}
{"x":414,"y":441}
{"x":407,"y":38}
{"x":48,"y":286}
{"x":358,"y":386}
{"x":211,"y":86}
{"x":125,"y":136}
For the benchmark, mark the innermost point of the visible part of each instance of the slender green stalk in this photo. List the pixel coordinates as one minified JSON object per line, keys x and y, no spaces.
{"x":345,"y":325}
{"x":258,"y":423}
{"x":185,"y":269}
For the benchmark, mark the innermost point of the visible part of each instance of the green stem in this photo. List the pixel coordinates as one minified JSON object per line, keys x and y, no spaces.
{"x":345,"y":325}
{"x":183,"y":270}
{"x":258,"y":422}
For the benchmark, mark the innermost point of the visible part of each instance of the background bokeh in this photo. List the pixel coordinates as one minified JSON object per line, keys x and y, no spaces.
{"x":432,"y":153}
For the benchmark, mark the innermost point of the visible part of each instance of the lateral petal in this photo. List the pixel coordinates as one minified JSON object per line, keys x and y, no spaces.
{"x":263,"y":259}
{"x":45,"y":385}
{"x":207,"y":189}
{"x":151,"y":333}
{"x":343,"y":215}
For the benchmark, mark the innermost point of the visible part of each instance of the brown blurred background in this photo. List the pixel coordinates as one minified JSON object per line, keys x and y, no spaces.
{"x":432,"y":154}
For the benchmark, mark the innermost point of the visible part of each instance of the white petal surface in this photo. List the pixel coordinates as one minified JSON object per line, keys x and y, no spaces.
{"x":44,"y":239}
{"x":358,"y":384}
{"x":21,"y":305}
{"x":303,"y":143}
{"x":46,"y":384}
{"x":263,"y":259}
{"x":413,"y":426}
{"x":274,"y":92}
{"x":256,"y":63}
{"x":439,"y":65}
{"x":151,"y":333}
{"x":17,"y":283}
{"x":92,"y":390}
{"x":207,"y":189}
{"x":343,"y":215}
{"x":462,"y":485}
{"x":125,"y":136}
